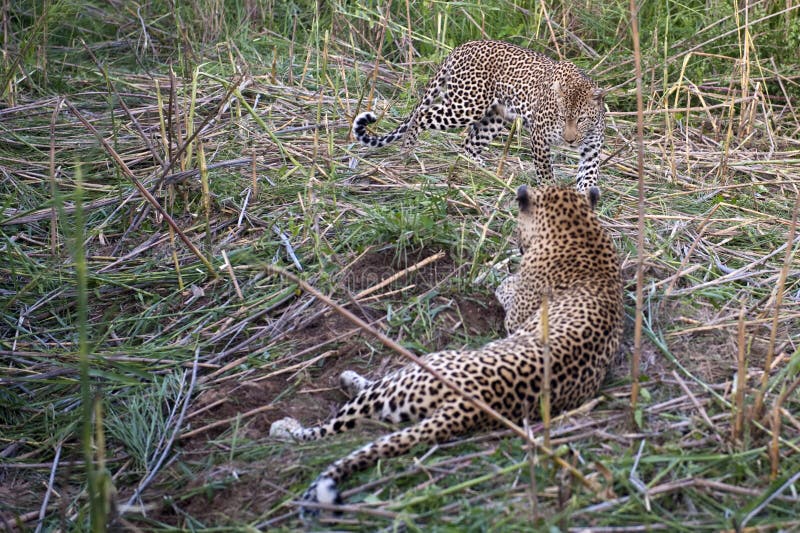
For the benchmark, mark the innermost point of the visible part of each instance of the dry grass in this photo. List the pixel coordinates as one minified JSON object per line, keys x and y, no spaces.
{"x":195,"y":347}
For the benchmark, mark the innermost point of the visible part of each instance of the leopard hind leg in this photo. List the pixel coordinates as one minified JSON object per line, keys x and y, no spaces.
{"x":410,"y":128}
{"x":449,"y":420}
{"x":483,"y":132}
{"x":435,"y":117}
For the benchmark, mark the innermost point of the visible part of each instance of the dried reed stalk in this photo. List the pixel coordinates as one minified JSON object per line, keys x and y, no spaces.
{"x":53,"y":185}
{"x":741,"y":382}
{"x":545,"y":403}
{"x":774,"y":449}
{"x":779,"y":290}
{"x":637,"y":339}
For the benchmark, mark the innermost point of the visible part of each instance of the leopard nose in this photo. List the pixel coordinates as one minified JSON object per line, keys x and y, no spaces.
{"x":570,"y":133}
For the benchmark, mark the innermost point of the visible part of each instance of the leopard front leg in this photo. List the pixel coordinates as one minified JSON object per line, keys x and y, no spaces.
{"x":589,"y":165}
{"x":518,"y":310}
{"x":540,"y":149}
{"x":359,"y":407}
{"x":505,"y":292}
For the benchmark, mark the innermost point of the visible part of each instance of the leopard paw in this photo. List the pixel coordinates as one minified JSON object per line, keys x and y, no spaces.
{"x":353,"y":382}
{"x":285,"y":429}
{"x":477,"y":160}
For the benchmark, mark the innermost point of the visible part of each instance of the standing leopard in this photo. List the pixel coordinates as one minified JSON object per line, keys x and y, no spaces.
{"x":486,"y":85}
{"x":567,"y":253}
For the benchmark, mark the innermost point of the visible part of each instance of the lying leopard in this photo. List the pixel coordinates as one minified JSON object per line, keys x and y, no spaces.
{"x":566,"y":252}
{"x":486,"y":85}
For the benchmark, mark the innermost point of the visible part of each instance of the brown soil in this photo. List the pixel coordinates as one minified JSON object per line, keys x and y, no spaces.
{"x":375,"y":266}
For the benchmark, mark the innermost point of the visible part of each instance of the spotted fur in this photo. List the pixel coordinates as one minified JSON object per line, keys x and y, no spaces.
{"x":567,"y":253}
{"x":486,"y":85}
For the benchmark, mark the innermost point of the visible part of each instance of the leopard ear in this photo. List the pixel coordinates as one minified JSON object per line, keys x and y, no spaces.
{"x":597,"y":96}
{"x":556,"y":87}
{"x":522,"y":198}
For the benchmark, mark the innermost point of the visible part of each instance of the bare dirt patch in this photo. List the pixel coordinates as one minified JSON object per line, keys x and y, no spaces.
{"x":374,"y":267}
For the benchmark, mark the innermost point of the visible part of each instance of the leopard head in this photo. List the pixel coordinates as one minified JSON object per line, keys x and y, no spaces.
{"x":551,"y":214}
{"x":579,"y":100}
